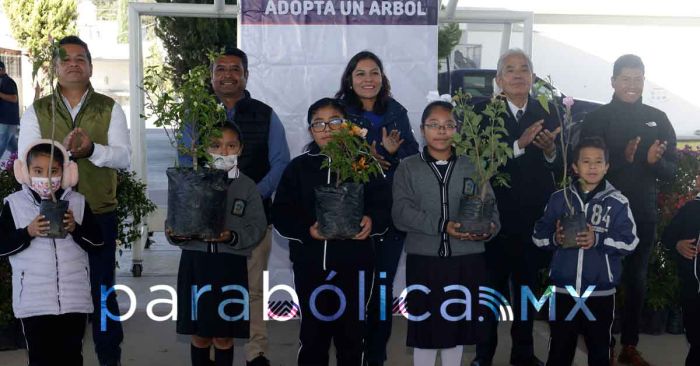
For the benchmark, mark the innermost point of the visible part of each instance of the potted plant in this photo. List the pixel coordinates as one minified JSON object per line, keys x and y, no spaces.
{"x":673,"y":194}
{"x":190,"y":112}
{"x":340,"y":206}
{"x":133,"y":205}
{"x":662,"y":282}
{"x":482,"y":142}
{"x":573,"y":221}
{"x":9,"y":334}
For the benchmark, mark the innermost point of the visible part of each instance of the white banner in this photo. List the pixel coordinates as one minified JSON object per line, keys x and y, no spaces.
{"x":297,"y":51}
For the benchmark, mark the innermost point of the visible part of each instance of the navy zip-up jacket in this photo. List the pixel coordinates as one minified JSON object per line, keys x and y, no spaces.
{"x":395,"y":118}
{"x":609,"y":213}
{"x":685,"y":225}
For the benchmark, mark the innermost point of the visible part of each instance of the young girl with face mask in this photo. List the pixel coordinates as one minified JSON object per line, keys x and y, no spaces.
{"x":50,"y":276}
{"x":220,"y":263}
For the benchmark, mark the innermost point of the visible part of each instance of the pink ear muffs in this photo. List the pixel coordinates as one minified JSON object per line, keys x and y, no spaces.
{"x":70,"y":168}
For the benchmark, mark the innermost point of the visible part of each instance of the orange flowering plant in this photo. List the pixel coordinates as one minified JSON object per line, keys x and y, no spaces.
{"x":349,"y":155}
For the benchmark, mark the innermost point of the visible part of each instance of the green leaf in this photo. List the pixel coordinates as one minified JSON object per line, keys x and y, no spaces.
{"x":544,"y":102}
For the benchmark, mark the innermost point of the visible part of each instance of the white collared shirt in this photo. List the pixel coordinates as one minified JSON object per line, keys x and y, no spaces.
{"x":116,"y":154}
{"x":517,"y":151}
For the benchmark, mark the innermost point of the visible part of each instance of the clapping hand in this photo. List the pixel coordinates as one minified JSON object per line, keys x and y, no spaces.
{"x":78,"y":143}
{"x":391,"y":141}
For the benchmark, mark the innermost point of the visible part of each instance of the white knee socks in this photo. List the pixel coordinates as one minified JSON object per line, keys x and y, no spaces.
{"x":451,"y":356}
{"x":426,"y":357}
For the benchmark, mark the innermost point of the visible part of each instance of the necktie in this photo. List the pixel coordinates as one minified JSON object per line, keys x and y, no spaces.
{"x":519,"y":115}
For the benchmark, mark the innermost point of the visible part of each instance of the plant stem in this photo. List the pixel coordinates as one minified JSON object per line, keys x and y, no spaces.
{"x":564,"y":148}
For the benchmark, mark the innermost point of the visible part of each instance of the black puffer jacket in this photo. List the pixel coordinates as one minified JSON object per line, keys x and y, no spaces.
{"x":617,"y":123}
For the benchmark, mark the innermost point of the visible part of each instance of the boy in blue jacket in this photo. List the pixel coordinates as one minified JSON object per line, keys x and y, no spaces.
{"x":681,"y":236}
{"x":596,"y":261}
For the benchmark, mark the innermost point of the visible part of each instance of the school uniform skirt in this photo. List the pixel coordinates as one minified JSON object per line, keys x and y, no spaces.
{"x":447,"y":325}
{"x":200,"y":269}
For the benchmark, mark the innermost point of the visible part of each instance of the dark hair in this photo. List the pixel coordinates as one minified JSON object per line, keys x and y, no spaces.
{"x":232,"y":126}
{"x":321,"y":103}
{"x":435,"y":104}
{"x":44,"y":149}
{"x":233,"y":51}
{"x":593,"y":142}
{"x":325,"y":102}
{"x":350,"y":97}
{"x":629,"y":61}
{"x":76,"y":41}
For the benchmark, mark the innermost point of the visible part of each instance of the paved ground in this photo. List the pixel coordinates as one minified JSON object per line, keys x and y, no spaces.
{"x":150,"y":343}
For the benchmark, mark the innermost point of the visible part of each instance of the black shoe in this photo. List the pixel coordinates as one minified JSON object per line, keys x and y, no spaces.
{"x":261,"y":360}
{"x":534,"y":361}
{"x":478,"y":362}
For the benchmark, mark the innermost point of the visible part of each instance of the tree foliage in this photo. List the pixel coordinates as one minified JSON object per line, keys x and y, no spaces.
{"x":189,"y":112}
{"x":34,"y":23}
{"x":349,"y":155}
{"x":448,"y":37}
{"x":481,"y":139}
{"x":186,"y":40}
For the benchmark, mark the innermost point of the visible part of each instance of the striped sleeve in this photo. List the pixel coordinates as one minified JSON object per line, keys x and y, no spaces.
{"x":546,"y":226}
{"x":621,"y":237}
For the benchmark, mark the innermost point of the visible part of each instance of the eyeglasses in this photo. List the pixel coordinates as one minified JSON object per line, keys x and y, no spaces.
{"x":333,"y":124}
{"x":437,"y":126}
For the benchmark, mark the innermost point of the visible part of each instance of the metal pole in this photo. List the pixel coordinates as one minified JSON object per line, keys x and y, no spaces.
{"x":527,"y":33}
{"x":138,"y":130}
{"x":505,"y":37}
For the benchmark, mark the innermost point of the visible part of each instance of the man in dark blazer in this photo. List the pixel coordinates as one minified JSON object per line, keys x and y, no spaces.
{"x":512,"y":258}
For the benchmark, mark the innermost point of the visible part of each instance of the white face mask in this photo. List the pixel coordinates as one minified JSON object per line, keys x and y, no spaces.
{"x":41,"y":186}
{"x":227,"y":163}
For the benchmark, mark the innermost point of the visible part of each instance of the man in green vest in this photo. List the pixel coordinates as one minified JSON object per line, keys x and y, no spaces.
{"x":93,"y":128}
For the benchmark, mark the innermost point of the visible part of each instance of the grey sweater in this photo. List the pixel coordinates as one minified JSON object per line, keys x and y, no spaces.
{"x":419,"y":198}
{"x":246,"y":221}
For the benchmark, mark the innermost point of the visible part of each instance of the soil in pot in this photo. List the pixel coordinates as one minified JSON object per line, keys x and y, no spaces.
{"x":655,"y":321}
{"x":55,"y":213}
{"x":573,"y":225}
{"x":339,"y":210}
{"x":475,"y":215}
{"x":196,"y":202}
{"x":674,"y":325}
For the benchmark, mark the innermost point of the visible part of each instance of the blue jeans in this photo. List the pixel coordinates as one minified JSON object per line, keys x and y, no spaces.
{"x":387,"y":253}
{"x":102,"y":267}
{"x":7,"y":138}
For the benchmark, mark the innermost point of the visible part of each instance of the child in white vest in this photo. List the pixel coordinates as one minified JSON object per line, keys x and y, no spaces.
{"x":50,"y":276}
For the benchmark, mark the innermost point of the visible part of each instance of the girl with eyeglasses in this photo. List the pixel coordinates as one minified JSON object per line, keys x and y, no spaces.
{"x":427,"y":190}
{"x":332,"y":278}
{"x":366,"y":91}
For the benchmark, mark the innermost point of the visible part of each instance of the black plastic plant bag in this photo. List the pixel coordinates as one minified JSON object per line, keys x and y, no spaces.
{"x":339,"y":210}
{"x":572,"y":225}
{"x":196,"y":202}
{"x":475,"y":215}
{"x":54,"y":213}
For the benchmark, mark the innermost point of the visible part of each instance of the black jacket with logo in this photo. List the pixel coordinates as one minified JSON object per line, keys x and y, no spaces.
{"x":617,"y":123}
